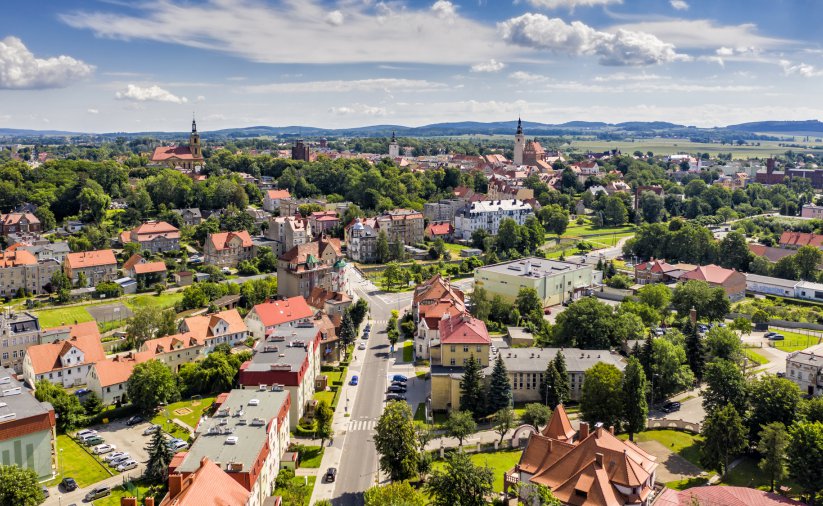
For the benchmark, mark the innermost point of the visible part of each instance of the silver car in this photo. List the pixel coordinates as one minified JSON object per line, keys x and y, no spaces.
{"x":119,"y":460}
{"x":125,"y":466}
{"x":103,"y":448}
{"x":112,"y":456}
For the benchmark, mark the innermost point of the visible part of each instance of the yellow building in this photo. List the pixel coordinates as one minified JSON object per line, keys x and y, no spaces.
{"x":553,"y":280}
{"x":461,"y":337}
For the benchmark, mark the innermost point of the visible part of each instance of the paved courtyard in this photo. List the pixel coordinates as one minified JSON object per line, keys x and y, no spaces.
{"x":673,"y":467}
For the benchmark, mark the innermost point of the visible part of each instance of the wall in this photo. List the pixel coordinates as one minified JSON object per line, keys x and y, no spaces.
{"x":32,"y":451}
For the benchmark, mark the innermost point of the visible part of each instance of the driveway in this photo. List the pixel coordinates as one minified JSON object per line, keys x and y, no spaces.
{"x":672,"y":467}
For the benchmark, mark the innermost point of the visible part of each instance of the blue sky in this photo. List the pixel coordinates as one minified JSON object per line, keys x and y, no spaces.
{"x":133,"y":65}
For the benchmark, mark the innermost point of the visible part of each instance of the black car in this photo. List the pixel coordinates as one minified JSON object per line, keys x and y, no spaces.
{"x":395,"y":397}
{"x":134,"y":420}
{"x":68,"y":484}
{"x":670,"y":407}
{"x":331,"y":474}
{"x":396,"y":389}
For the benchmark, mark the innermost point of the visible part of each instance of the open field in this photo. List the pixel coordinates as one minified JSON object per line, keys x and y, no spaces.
{"x":197,"y":407}
{"x":76,"y":463}
{"x":794,"y":341}
{"x":682,"y":443}
{"x":755,"y":356}
{"x":312,"y":456}
{"x":500,"y":462}
{"x":661,"y":146}
{"x":54,"y":317}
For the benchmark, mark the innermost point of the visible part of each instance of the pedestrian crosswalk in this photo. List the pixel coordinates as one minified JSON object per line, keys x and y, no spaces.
{"x":361,"y":425}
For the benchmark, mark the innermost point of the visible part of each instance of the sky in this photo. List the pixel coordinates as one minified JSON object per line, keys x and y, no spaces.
{"x":145,"y":65}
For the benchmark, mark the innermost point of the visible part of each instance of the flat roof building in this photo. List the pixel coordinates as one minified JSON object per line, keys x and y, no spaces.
{"x":554,"y":281}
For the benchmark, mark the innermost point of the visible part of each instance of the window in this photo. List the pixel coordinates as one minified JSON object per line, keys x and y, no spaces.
{"x":453,"y":348}
{"x":14,"y":354}
{"x":464,"y":361}
{"x":465,"y":348}
{"x":5,"y":355}
{"x":478,"y":348}
{"x":452,"y":362}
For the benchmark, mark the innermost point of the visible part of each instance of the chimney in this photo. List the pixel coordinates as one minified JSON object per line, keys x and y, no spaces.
{"x":128,"y":501}
{"x":770,"y":165}
{"x":581,"y":435}
{"x":598,"y":457}
{"x":693,"y":315}
{"x":611,"y":430}
{"x":149,"y":501}
{"x":175,"y":485}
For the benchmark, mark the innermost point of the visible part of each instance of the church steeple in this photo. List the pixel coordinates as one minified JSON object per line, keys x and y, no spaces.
{"x":519,"y":127}
{"x":193,"y":125}
{"x":393,"y":136}
{"x":519,"y":144}
{"x":194,"y":140}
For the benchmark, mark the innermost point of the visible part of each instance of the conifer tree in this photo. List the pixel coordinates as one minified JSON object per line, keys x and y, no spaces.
{"x":635,"y":407}
{"x":562,"y":387}
{"x":159,"y":458}
{"x":471,"y":388}
{"x":500,"y":388}
{"x":695,"y":352}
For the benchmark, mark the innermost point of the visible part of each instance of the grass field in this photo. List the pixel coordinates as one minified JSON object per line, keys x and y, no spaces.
{"x":190,"y":419}
{"x":306,"y":490}
{"x":455,"y":249}
{"x":76,"y":463}
{"x":312,"y":455}
{"x":682,"y":443}
{"x":747,"y":474}
{"x":162,"y":301}
{"x":794,"y":341}
{"x":139,"y":490}
{"x":408,"y":350}
{"x":326,"y":395}
{"x":674,"y":146}
{"x":57,"y":316}
{"x":500,"y":462}
{"x":755,"y":356}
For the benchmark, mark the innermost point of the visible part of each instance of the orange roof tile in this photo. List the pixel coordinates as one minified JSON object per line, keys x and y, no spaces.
{"x":151,"y":229}
{"x":202,"y":325}
{"x":220,"y":241}
{"x":208,"y":486}
{"x":46,"y":357}
{"x":149,"y":268}
{"x":132,"y":261}
{"x":164,"y":153}
{"x":710,"y":273}
{"x":16,"y":257}
{"x":559,"y":426}
{"x":440,"y":228}
{"x":114,"y":371}
{"x":283,"y":311}
{"x":278,"y":194}
{"x":722,"y":496}
{"x":96,"y":258}
{"x":463,"y":330}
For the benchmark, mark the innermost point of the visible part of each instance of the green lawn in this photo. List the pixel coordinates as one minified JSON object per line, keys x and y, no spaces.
{"x":455,"y":249}
{"x":408,"y":350}
{"x":312,"y":455}
{"x":63,"y":316}
{"x":500,"y":462}
{"x":77,"y":463}
{"x":326,"y":395}
{"x":138,"y":490}
{"x":747,"y":474}
{"x":590,"y":230}
{"x":162,"y":301}
{"x":306,"y":490}
{"x":191,"y":419}
{"x":420,"y":412}
{"x":755,"y":356}
{"x":794,"y":341}
{"x":682,"y":443}
{"x":675,"y":146}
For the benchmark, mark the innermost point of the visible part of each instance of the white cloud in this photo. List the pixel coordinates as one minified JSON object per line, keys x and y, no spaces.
{"x":570,"y":4}
{"x":488,"y":66}
{"x":372,"y":32}
{"x":152,"y":93}
{"x":704,"y":33}
{"x":801,"y":69}
{"x":20,"y":69}
{"x":527,"y":77}
{"x":624,"y":47}
{"x":679,"y":5}
{"x":625,"y":76}
{"x":92,"y":111}
{"x":358,"y":109}
{"x":341,"y":86}
{"x":200,"y":98}
{"x":334,"y":18}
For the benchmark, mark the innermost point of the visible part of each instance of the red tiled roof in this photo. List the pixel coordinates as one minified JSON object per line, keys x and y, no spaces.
{"x":440,"y":228}
{"x":202,"y":325}
{"x":114,"y":371}
{"x":655,"y":266}
{"x":221,"y":240}
{"x":319,"y":296}
{"x":710,"y":273}
{"x":208,"y":486}
{"x":278,"y":194}
{"x":149,"y":268}
{"x":152,"y":229}
{"x":167,"y":343}
{"x":14,"y":218}
{"x":769,"y":253}
{"x":46,"y":357}
{"x":283,"y":311}
{"x":300,"y":253}
{"x":164,"y":153}
{"x":96,"y":258}
{"x":801,"y":239}
{"x":132,"y":261}
{"x":463,"y":330}
{"x":13,"y":258}
{"x":559,"y":426}
{"x":722,"y":496}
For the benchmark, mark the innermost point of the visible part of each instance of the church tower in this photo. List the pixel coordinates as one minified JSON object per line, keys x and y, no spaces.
{"x":394,"y":147}
{"x":519,"y":143}
{"x":194,"y":141}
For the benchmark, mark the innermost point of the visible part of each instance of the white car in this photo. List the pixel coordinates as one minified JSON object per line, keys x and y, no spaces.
{"x":103,"y":448}
{"x":151,"y":429}
{"x":85,"y":433}
{"x":125,"y":466}
{"x":178,"y":445}
{"x":361,"y":346}
{"x":111,"y":457}
{"x":119,"y":460}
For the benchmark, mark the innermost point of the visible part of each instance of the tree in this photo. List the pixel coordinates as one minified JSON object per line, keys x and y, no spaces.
{"x":548,"y":388}
{"x":651,"y":206}
{"x":656,"y":295}
{"x":635,"y":407}
{"x":160,"y":455}
{"x":481,"y":305}
{"x":92,"y":404}
{"x":19,"y":487}
{"x":742,"y":325}
{"x":67,"y":407}
{"x":348,"y":332}
{"x":503,"y":421}
{"x":614,"y":211}
{"x":805,"y":457}
{"x":151,"y":383}
{"x":562,"y":385}
{"x":724,"y":437}
{"x":711,"y":303}
{"x":148,"y":323}
{"x":586,"y":323}
{"x":536,"y":494}
{"x":807,"y":259}
{"x":459,"y":425}
{"x":695,"y":352}
{"x":772,"y":399}
{"x":381,"y":247}
{"x":82,"y":281}
{"x":669,"y":368}
{"x":61,"y":285}
{"x":358,"y":311}
{"x":500,"y":388}
{"x":323,"y":416}
{"x":772,"y":448}
{"x":460,"y":482}
{"x":529,"y":302}
{"x":396,"y":442}
{"x":536,"y":415}
{"x":722,"y":343}
{"x":725,"y":384}
{"x":472,"y":395}
{"x":600,"y":399}
{"x":393,"y":494}
{"x":391,"y":275}
{"x":811,"y":410}
{"x":392,"y":332}
{"x":736,"y":253}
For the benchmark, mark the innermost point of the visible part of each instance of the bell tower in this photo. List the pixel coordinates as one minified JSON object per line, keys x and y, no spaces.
{"x":394,"y":147}
{"x":519,"y":143}
{"x":194,"y":141}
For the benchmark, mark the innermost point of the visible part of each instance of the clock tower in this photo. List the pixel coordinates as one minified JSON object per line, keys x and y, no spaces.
{"x":519,"y":143}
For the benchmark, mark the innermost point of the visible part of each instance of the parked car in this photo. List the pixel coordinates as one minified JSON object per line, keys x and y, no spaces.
{"x":399,"y":377}
{"x":97,"y":493}
{"x":367,"y":328}
{"x":68,"y":484}
{"x":119,"y":460}
{"x":151,"y":429}
{"x":93,"y":440}
{"x":365,"y":335}
{"x":85,"y":432}
{"x":103,"y":448}
{"x":81,"y":392}
{"x":396,"y":389}
{"x":178,"y":445}
{"x":113,"y":456}
{"x":127,"y":465}
{"x":777,"y":337}
{"x":331,"y":474}
{"x":768,"y":335}
{"x":361,"y":346}
{"x":781,"y":374}
{"x":354,"y":380}
{"x":134,"y":420}
{"x":395,"y":397}
{"x":670,"y":407}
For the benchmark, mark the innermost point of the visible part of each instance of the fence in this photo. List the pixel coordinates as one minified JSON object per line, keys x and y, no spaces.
{"x":665,"y":423}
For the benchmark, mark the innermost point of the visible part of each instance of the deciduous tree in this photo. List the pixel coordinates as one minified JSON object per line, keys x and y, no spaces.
{"x":19,"y":487}
{"x":601,"y":396}
{"x":461,"y":482}
{"x":396,"y":442}
{"x":635,"y":407}
{"x":725,"y":384}
{"x":724,"y":437}
{"x":151,"y":383}
{"x":805,"y":457}
{"x":459,"y":425}
{"x":772,"y":449}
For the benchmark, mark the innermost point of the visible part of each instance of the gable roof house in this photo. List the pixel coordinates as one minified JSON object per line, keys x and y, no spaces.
{"x":264,"y":318}
{"x":97,"y":266}
{"x":227,"y":249}
{"x":592,"y":468}
{"x":65,"y":362}
{"x":731,"y":281}
{"x":272,"y":198}
{"x":154,"y":236}
{"x":137,"y":266}
{"x":217,"y":328}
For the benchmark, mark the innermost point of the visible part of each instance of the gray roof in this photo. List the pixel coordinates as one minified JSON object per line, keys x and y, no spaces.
{"x":16,"y":401}
{"x":757,"y":278}
{"x":577,"y":360}
{"x":249,"y":429}
{"x":812,"y":356}
{"x":285,"y":346}
{"x":535,"y":267}
{"x":519,"y":333}
{"x":20,"y":322}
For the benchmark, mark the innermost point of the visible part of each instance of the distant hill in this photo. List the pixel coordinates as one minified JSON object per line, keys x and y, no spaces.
{"x":811,"y":125}
{"x":18,"y":132}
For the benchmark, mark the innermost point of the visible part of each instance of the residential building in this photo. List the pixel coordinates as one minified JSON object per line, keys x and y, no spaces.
{"x":264,"y":318}
{"x":431,"y":292}
{"x":209,"y":485}
{"x":19,"y":224}
{"x":361,"y":241}
{"x":526,"y":367}
{"x":189,"y":158}
{"x":174,"y":350}
{"x":227,"y":249}
{"x":811,"y":211}
{"x":247,"y":436}
{"x":259,"y":216}
{"x":770,"y":253}
{"x":508,"y":188}
{"x":216,"y":328}
{"x":487,"y":215}
{"x":18,"y":331}
{"x":288,"y":232}
{"x":794,"y":240}
{"x":439,"y":230}
{"x":638,"y":192}
{"x":725,"y":496}
{"x":315,"y":264}
{"x":109,"y":378}
{"x":288,"y":356}
{"x":28,"y":437}
{"x":154,"y":236}
{"x":402,"y":225}
{"x":96,"y":266}
{"x":553,"y":280}
{"x":731,"y":281}
{"x":592,"y":468}
{"x":272,"y":198}
{"x":658,"y":271}
{"x":45,"y":250}
{"x":427,"y":334}
{"x":20,"y":271}
{"x":443,"y":210}
{"x":146,"y":273}
{"x":323,"y":222}
{"x":64,"y":362}
{"x":331,"y":303}
{"x":191,"y":216}
{"x":460,"y":338}
{"x":768,"y":285}
{"x":805,"y":368}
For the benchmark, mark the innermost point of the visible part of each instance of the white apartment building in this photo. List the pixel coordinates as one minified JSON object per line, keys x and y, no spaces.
{"x":487,"y":214}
